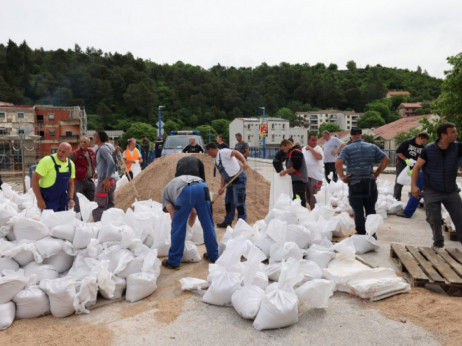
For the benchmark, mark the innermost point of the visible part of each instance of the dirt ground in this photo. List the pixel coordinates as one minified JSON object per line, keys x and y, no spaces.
{"x":120,"y":322}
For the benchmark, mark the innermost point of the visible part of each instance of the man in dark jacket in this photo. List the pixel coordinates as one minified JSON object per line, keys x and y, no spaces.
{"x":439,"y":163}
{"x":84,"y":160}
{"x":296,"y":168}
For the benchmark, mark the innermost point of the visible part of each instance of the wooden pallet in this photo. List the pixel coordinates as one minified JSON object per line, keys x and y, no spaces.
{"x":425,"y":265}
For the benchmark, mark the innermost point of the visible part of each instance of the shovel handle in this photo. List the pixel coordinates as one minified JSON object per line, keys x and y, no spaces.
{"x":229,"y":183}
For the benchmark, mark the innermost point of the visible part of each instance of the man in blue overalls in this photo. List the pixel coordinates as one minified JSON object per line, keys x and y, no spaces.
{"x":226,"y":160}
{"x":186,"y":191}
{"x":53,"y":180}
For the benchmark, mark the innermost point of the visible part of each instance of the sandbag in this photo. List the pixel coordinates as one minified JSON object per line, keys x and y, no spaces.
{"x":29,"y":229}
{"x":190,"y":253}
{"x":49,"y":246}
{"x":364,"y":243}
{"x":320,"y":255}
{"x":7,"y":312}
{"x":278,"y":309}
{"x":193,"y":284}
{"x":222,"y":288}
{"x":140,"y":285}
{"x":11,"y":284}
{"x":404,"y":178}
{"x":61,"y":261}
{"x":373,"y":222}
{"x":279,"y":252}
{"x":31,"y":302}
{"x":279,"y":185}
{"x":120,"y":284}
{"x":86,"y":207}
{"x":316,"y":292}
{"x":86,"y":296}
{"x":8,"y":264}
{"x":65,"y":232}
{"x":83,"y":234}
{"x":247,"y":300}
{"x":61,"y":293}
{"x":41,"y":271}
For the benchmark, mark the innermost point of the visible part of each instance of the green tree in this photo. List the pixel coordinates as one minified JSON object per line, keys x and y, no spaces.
{"x":141,"y":98}
{"x":205,"y":130}
{"x":221,"y":126}
{"x":169,"y":126}
{"x":136,"y":130}
{"x":371,"y":119}
{"x":286,"y":113}
{"x":331,"y":127}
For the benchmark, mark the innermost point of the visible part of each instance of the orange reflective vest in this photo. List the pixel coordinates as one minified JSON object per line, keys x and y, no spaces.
{"x":129,"y":157}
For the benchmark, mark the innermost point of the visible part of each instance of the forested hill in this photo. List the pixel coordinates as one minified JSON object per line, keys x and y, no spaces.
{"x":118,"y":87}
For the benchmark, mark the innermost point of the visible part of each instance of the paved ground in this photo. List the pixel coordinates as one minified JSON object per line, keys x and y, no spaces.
{"x":171,"y":316}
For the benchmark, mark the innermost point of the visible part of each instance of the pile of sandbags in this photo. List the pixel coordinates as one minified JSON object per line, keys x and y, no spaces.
{"x":54,"y":262}
{"x":292,"y":266}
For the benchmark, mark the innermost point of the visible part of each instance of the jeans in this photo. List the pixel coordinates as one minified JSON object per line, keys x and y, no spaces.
{"x":105,"y":199}
{"x":413,"y":202}
{"x":85,"y":187}
{"x":235,"y":199}
{"x":328,"y":168}
{"x":195,"y":196}
{"x":453,"y":204}
{"x":312,"y":188}
{"x":362,"y":195}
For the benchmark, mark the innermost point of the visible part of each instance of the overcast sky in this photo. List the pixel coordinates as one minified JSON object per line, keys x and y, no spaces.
{"x":393,"y":33}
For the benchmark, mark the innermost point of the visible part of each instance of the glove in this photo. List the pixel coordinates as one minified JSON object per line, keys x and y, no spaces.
{"x":410,"y":172}
{"x":407,"y":162}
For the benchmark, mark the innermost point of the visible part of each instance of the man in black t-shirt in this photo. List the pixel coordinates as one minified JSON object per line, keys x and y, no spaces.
{"x":220,"y":143}
{"x":409,"y":149}
{"x":192,"y":147}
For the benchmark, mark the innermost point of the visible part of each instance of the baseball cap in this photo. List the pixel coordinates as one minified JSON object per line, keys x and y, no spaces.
{"x":356,"y":131}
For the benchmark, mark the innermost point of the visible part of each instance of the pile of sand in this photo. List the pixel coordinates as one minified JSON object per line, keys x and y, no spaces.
{"x":152,"y":180}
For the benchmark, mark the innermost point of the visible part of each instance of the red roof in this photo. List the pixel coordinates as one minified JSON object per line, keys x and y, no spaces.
{"x":398,"y":92}
{"x":389,"y":131}
{"x":410,"y":105}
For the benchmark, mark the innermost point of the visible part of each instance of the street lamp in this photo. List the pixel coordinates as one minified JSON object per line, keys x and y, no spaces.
{"x":160,"y":121}
{"x":264,"y":137}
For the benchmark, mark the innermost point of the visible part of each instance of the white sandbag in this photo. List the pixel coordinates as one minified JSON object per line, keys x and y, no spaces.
{"x":7,"y":211}
{"x":279,"y":185}
{"x":260,"y":279}
{"x":86,"y":296}
{"x":8,"y":264}
{"x":65,"y":232}
{"x":29,"y":229}
{"x":375,"y":289}
{"x":373,"y":222}
{"x":11,"y":284}
{"x":197,"y":233}
{"x":117,"y":257}
{"x":278,"y":309}
{"x":341,"y":269}
{"x":161,"y":234}
{"x":404,"y":178}
{"x":31,"y":302}
{"x":111,"y":233}
{"x":190,"y":253}
{"x":279,"y":252}
{"x":49,"y":246}
{"x":264,"y":243}
{"x":193,"y":284}
{"x":310,"y":270}
{"x":61,"y":261}
{"x":273,"y":271}
{"x":316,"y":293}
{"x":59,"y":218}
{"x":24,"y":253}
{"x":41,"y":271}
{"x":346,"y":247}
{"x":113,"y":216}
{"x":133,"y":265}
{"x":7,"y":312}
{"x":140,"y":285}
{"x":320,"y":254}
{"x":299,"y":235}
{"x":222,"y":288}
{"x":86,"y":207}
{"x":115,"y":292}
{"x":84,"y":233}
{"x":136,"y":168}
{"x":81,"y":267}
{"x":247,"y":300}
{"x":61,"y":293}
{"x":364,"y":243}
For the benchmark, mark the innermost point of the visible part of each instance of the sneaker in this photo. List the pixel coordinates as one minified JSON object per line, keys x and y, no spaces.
{"x":438,"y":245}
{"x":169,"y":266}
{"x":401,"y":214}
{"x":223,"y":225}
{"x":206,"y":257}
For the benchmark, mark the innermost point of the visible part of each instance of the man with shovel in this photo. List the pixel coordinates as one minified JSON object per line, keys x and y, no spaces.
{"x":233,"y":178}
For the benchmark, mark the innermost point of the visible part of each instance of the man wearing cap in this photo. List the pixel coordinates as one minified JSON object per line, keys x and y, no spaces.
{"x":359,"y":158}
{"x":332,"y":147}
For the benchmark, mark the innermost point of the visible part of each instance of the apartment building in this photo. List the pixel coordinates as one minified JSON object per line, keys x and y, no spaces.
{"x":314,"y":119}
{"x":278,"y":129}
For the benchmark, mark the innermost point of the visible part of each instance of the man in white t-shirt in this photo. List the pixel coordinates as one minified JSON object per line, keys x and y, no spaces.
{"x":313,"y":158}
{"x":332,"y":147}
{"x":227,"y":163}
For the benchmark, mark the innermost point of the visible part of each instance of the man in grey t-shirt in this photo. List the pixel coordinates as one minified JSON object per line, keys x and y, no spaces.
{"x":241,"y":146}
{"x":332,"y":147}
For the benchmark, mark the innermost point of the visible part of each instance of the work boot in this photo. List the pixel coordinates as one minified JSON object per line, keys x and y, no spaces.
{"x":401,"y":214}
{"x":223,"y":225}
{"x":207,"y":258}
{"x":438,"y":245}
{"x":166,"y":264}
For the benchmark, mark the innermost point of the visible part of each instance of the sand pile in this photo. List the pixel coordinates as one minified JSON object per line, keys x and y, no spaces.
{"x":152,"y":180}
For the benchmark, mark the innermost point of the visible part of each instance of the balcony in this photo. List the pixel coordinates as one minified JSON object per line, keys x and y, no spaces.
{"x":70,"y":139}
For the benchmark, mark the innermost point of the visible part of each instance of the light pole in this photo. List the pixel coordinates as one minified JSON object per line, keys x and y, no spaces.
{"x":264,"y":137}
{"x":160,"y":121}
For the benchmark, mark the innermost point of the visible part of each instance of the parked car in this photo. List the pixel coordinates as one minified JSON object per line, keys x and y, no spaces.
{"x":179,"y":139}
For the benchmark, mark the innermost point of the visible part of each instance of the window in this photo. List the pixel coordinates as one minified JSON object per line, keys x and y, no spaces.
{"x":51,"y":117}
{"x":20,"y":115}
{"x":54,"y":150}
{"x":2,"y":114}
{"x":248,"y":138}
{"x":272,"y":126}
{"x":20,"y":131}
{"x":51,"y":132}
{"x":42,"y":134}
{"x":248,"y":126}
{"x":68,"y":133}
{"x":40,"y":118}
{"x":2,"y":130}
{"x":283,"y":126}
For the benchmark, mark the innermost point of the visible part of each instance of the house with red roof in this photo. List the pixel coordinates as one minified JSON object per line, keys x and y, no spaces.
{"x":398,"y":92}
{"x":409,"y":109}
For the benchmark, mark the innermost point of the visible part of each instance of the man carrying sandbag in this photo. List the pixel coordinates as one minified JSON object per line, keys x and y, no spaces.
{"x":185,"y":192}
{"x":53,"y":180}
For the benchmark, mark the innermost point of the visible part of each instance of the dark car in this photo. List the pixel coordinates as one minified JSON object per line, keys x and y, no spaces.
{"x":179,"y":139}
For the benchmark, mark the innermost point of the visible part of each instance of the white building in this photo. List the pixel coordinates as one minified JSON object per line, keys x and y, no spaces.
{"x":344,"y":119}
{"x":278,"y":129}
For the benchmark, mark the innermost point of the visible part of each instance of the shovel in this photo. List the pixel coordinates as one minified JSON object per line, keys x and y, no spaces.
{"x":228,"y":183}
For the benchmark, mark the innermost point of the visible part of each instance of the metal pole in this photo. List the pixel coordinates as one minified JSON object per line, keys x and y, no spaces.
{"x":160,"y":121}
{"x":21,"y":136}
{"x":264,"y":138}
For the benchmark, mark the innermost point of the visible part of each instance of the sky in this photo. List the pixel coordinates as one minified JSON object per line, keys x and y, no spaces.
{"x":246,"y":33}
